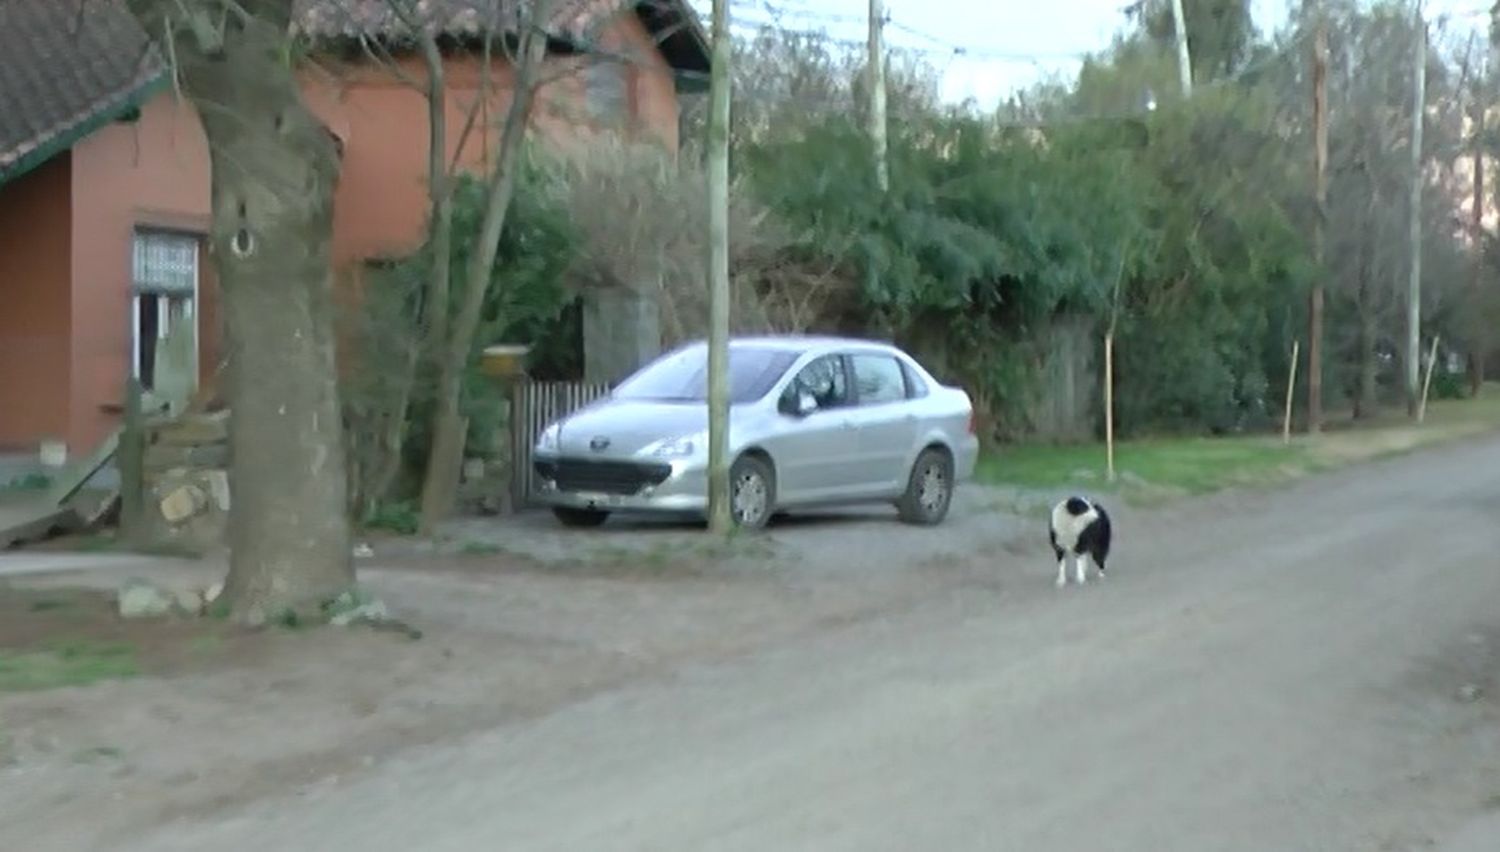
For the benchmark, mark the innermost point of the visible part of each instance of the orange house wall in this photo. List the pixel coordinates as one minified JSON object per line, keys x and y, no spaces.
{"x":380,"y":209}
{"x":74,"y":313}
{"x":35,"y":371}
{"x":151,"y":173}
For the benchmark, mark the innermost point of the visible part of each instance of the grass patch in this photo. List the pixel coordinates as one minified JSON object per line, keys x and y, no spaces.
{"x":480,"y":548}
{"x":399,"y":517}
{"x":66,"y":663}
{"x":1189,"y":466}
{"x":1159,"y":469}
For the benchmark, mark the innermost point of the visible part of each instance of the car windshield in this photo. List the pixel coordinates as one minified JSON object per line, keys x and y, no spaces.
{"x":683,"y":376}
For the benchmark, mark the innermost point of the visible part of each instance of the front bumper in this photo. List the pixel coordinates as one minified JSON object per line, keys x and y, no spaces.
{"x":655,"y":486}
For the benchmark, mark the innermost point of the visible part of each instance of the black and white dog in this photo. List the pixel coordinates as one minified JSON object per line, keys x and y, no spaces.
{"x":1080,"y":528}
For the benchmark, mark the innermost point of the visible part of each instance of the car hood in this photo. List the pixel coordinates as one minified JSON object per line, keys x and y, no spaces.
{"x":629,"y":426}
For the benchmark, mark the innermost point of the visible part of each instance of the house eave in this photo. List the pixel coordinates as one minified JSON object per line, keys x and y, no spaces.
{"x":36,"y":153}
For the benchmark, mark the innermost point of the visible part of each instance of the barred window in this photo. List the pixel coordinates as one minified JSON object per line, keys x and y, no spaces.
{"x":165,"y":262}
{"x":606,"y":91}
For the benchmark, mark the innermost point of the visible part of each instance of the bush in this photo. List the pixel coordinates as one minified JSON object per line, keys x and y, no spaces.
{"x":388,"y":380}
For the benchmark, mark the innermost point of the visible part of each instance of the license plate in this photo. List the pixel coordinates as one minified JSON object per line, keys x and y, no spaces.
{"x":600,"y":499}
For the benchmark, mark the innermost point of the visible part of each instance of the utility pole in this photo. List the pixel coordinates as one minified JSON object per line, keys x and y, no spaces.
{"x":1320,"y":183}
{"x":1184,"y":60}
{"x":1478,"y":343}
{"x":877,"y":93}
{"x":719,"y":518}
{"x":1414,"y":283}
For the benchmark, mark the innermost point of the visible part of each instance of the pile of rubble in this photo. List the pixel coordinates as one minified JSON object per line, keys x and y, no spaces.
{"x":185,"y":473}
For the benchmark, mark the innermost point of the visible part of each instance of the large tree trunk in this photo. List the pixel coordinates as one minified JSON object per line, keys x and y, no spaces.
{"x":274,"y":169}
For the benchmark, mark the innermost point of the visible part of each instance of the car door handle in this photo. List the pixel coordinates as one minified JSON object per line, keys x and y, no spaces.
{"x":847,"y":424}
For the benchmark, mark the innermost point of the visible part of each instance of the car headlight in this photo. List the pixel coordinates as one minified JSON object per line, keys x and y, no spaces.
{"x":677,"y":448}
{"x":547,"y":441}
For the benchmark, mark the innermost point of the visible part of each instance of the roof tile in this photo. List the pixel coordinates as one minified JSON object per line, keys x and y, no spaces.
{"x":63,"y":63}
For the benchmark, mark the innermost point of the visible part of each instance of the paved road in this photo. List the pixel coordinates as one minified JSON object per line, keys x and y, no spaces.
{"x":1281,"y":671}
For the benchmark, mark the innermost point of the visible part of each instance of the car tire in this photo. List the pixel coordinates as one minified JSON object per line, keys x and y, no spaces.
{"x":579,"y":518}
{"x":758,"y":505}
{"x":929,"y":489}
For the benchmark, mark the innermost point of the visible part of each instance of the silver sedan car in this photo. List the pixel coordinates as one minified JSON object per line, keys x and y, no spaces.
{"x":813,"y":422}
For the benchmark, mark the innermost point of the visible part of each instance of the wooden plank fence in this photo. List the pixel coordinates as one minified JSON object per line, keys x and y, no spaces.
{"x":538,"y":405}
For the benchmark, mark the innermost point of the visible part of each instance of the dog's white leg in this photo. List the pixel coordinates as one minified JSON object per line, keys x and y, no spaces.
{"x":1081,"y":572}
{"x":1062,"y":571}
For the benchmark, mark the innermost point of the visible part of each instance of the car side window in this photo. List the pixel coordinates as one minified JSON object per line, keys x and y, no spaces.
{"x":916,"y":388}
{"x":825,"y":380}
{"x":879,"y":379}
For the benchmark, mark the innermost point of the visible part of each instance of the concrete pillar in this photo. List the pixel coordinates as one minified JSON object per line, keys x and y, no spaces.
{"x":621,"y":333}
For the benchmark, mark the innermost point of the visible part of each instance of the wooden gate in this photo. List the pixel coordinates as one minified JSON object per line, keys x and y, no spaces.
{"x":537,"y":406}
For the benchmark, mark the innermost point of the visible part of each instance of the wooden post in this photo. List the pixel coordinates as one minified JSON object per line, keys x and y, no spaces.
{"x":719,"y":517}
{"x":1427,"y":382}
{"x":131,"y":457}
{"x":1291,"y":387}
{"x":1109,"y":404}
{"x":1320,"y":189}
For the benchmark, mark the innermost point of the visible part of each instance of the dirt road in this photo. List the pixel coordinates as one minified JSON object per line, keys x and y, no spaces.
{"x":1310,"y":669}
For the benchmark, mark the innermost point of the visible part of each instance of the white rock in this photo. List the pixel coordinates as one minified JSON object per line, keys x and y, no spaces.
{"x":140,"y":599}
{"x":218,"y":488}
{"x":373,"y":611}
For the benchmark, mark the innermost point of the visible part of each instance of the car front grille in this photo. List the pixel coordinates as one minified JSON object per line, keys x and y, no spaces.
{"x":603,"y":477}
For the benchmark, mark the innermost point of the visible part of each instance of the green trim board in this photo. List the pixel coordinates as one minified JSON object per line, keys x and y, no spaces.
{"x":128,"y":106}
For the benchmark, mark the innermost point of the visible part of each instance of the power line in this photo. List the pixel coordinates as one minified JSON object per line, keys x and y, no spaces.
{"x":937,"y":46}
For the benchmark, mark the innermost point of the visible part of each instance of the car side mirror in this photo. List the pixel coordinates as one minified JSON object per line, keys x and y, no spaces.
{"x":798,"y":405}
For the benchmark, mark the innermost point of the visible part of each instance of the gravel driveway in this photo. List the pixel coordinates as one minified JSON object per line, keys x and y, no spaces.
{"x":860,"y":540}
{"x":1307,"y":669}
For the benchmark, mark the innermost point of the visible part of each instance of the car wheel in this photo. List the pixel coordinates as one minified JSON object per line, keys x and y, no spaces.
{"x":929,"y":491}
{"x":579,"y":518}
{"x":752,"y":492}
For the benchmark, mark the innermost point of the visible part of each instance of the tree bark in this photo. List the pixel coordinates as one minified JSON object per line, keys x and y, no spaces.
{"x":441,"y":199}
{"x":274,"y":170}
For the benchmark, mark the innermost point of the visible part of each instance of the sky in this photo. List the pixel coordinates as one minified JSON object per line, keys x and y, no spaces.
{"x":1007,"y":44}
